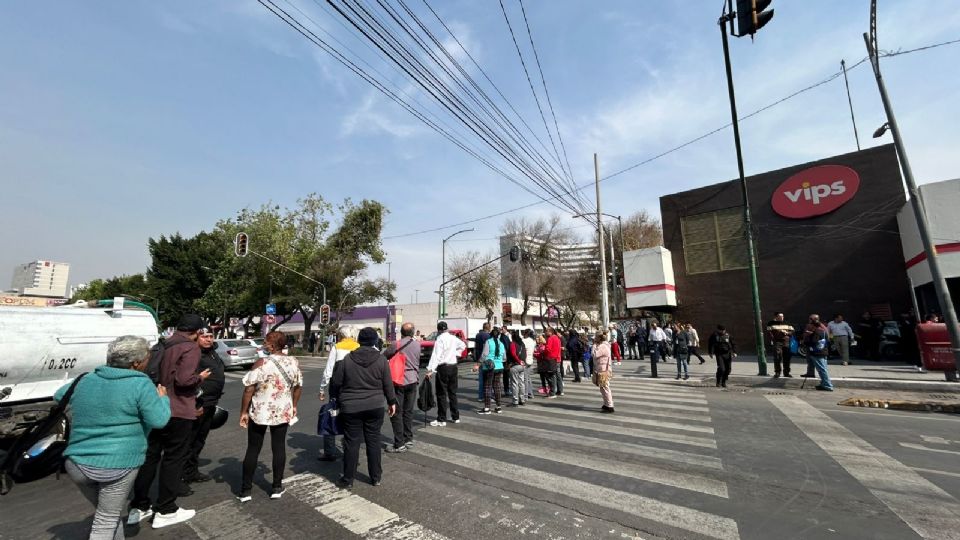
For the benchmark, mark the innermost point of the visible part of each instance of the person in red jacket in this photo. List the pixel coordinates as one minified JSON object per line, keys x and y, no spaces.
{"x":554,"y":352}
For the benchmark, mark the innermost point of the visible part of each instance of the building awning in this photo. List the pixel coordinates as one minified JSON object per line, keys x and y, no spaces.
{"x":648,"y":278}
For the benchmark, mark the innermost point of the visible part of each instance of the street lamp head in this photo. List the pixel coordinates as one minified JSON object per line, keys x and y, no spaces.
{"x":881,"y":130}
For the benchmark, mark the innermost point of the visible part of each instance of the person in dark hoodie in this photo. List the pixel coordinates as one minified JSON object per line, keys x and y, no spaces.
{"x":169,"y":447}
{"x":209,"y":395}
{"x":360,"y":383}
{"x":575,"y":351}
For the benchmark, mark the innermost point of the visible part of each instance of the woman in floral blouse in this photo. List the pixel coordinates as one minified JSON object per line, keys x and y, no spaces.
{"x":270,"y":396}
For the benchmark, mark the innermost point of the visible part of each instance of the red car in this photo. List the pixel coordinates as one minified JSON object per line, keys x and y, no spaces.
{"x":426,"y":345}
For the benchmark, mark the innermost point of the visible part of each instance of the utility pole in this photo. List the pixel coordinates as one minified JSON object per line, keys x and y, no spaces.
{"x":748,"y":224}
{"x":604,"y":299}
{"x":615,"y":309}
{"x":919,"y":213}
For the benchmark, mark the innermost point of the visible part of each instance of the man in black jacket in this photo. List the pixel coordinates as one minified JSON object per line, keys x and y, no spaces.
{"x":207,"y":398}
{"x":361,"y":383}
{"x":723,"y":346}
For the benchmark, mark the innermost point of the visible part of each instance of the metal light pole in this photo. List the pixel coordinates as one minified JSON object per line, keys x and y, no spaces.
{"x":751,"y":252}
{"x":604,"y":298}
{"x":919,"y":213}
{"x":442,"y":308}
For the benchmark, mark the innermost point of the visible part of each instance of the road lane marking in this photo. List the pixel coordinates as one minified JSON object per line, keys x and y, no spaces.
{"x":928,"y":449}
{"x":658,"y":475}
{"x":593,"y":403}
{"x":650,"y":452}
{"x":666,"y":398}
{"x":930,"y":511}
{"x":934,"y":471}
{"x":352,"y":512}
{"x":228,"y":520}
{"x":622,"y":430}
{"x":597,"y":415}
{"x":646,"y":508}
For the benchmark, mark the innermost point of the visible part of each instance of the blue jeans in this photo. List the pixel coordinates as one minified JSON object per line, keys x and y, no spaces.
{"x":682,"y":360}
{"x":820,"y":362}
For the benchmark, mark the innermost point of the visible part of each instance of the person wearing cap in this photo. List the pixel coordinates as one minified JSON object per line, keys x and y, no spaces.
{"x":361,"y":384}
{"x":207,"y":398}
{"x":169,"y":447}
{"x":447,"y":349}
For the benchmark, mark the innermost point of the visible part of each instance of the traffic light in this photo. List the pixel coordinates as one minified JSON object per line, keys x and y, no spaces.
{"x":324,"y":314}
{"x":515,"y":253}
{"x":240,"y":244}
{"x":751,"y":16}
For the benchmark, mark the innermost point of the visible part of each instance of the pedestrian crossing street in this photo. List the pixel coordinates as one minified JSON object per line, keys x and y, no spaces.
{"x":650,"y":470}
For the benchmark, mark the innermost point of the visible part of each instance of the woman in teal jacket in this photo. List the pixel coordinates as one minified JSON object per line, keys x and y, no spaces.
{"x":114,"y":408}
{"x":491,"y":370}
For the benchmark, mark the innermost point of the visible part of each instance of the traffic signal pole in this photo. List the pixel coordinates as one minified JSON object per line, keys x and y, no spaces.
{"x":751,"y":252}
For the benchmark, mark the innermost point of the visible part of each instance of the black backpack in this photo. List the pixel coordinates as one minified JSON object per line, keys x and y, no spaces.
{"x":38,"y":452}
{"x":156,"y":359}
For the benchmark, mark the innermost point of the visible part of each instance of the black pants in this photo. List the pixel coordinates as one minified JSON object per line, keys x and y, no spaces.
{"x":781,"y":358}
{"x":724,"y":367}
{"x":167,"y":448}
{"x":655,"y":351}
{"x":278,"y":446}
{"x":575,"y":362}
{"x":362,"y":426}
{"x":201,"y":428}
{"x":402,"y":422}
{"x":548,"y":380}
{"x":447,"y":377}
{"x":695,"y":352}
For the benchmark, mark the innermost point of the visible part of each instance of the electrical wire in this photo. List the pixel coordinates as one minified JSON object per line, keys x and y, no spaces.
{"x":681,"y":146}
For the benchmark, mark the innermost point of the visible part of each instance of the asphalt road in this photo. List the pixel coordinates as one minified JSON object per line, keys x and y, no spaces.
{"x":673,"y":462}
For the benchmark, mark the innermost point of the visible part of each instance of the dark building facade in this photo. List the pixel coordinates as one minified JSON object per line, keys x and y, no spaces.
{"x":826,"y":236}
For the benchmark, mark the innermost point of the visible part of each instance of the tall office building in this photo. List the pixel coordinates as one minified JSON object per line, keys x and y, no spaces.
{"x":41,"y":278}
{"x":565,"y":259}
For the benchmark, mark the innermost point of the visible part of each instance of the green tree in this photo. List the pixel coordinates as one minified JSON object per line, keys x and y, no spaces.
{"x":178,"y":273}
{"x":478,"y":289}
{"x":536,"y":273}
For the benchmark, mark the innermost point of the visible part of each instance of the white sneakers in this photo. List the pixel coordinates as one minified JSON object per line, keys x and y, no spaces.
{"x":136,"y":516}
{"x":165,"y":520}
{"x":437,"y":423}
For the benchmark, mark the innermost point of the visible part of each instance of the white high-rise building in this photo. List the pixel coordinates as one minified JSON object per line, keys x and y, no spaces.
{"x":41,"y":278}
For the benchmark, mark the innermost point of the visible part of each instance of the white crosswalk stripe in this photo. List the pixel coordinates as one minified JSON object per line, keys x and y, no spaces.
{"x":566,"y":413}
{"x":352,"y":512}
{"x":900,"y":488}
{"x":638,"y":450}
{"x":672,"y":515}
{"x":696,"y":399}
{"x":648,"y":473}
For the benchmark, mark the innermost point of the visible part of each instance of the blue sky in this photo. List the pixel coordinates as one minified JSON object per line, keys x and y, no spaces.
{"x":121,"y":121}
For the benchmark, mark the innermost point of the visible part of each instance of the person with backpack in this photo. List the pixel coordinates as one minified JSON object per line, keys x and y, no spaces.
{"x":517,"y":360}
{"x":347,"y":342}
{"x":575,"y":353}
{"x":490,"y":368}
{"x":113,"y":409}
{"x":270,"y":396}
{"x":168,"y":448}
{"x":208,"y":396}
{"x":681,"y":350}
{"x":817,"y":339}
{"x":406,"y":393}
{"x":722,"y":345}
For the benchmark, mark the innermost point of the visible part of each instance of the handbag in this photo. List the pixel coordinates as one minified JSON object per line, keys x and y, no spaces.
{"x":398,"y":365}
{"x":601,"y":379}
{"x":327,"y":421}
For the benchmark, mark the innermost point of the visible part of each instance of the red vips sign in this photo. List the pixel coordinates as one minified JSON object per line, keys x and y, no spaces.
{"x":815,"y":191}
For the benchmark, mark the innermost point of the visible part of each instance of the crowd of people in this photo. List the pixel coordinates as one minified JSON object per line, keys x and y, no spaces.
{"x":146,"y":414}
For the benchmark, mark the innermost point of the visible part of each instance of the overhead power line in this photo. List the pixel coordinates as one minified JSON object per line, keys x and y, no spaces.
{"x":683,"y":145}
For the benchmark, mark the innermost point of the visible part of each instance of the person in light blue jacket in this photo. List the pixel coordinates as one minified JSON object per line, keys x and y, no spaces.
{"x":490,"y":367}
{"x":114,"y":409}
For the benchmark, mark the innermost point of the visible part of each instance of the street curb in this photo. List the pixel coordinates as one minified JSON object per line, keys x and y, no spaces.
{"x":755,"y":381}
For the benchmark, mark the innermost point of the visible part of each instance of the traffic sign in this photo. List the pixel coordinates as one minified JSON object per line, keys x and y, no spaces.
{"x":269,"y":319}
{"x":271,"y":309}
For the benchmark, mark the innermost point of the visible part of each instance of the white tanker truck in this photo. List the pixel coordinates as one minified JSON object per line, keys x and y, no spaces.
{"x":42,"y":348}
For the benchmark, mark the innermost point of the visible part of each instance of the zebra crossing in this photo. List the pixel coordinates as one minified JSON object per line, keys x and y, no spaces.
{"x":567,"y":453}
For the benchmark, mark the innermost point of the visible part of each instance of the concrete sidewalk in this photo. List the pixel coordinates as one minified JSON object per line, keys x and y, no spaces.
{"x":862,"y":374}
